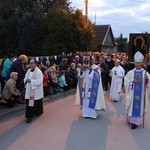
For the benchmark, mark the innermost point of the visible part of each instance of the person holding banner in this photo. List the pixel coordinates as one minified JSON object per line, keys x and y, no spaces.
{"x":92,"y":95}
{"x":136,"y":84}
{"x":83,"y":74}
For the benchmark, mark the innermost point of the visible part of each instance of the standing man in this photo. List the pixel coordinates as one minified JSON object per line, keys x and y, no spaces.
{"x":126,"y":66}
{"x":117,"y":74}
{"x":82,"y":85}
{"x":92,"y":93}
{"x":135,"y":89}
{"x":34,"y":91}
{"x":110,"y":64}
{"x":104,"y":72}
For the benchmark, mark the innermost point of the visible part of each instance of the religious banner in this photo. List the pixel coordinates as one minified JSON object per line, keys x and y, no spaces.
{"x":138,"y":42}
{"x":86,"y":60}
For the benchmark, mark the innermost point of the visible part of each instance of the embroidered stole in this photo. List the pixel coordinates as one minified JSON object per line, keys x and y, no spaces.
{"x":94,"y":89}
{"x":137,"y":94}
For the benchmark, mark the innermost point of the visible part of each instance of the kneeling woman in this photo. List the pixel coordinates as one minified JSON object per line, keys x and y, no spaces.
{"x":10,"y":94}
{"x":34,"y":91}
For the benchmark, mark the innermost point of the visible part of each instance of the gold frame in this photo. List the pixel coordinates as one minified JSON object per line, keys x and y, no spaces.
{"x":138,"y":42}
{"x":86,"y":60}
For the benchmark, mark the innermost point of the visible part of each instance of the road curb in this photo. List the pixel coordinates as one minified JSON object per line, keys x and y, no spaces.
{"x":51,"y":98}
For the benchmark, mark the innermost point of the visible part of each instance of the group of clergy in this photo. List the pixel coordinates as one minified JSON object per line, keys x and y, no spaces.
{"x":90,"y":95}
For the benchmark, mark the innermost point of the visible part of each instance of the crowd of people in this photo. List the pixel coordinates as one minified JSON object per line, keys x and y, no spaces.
{"x":29,"y":79}
{"x":57,"y":76}
{"x":131,"y":78}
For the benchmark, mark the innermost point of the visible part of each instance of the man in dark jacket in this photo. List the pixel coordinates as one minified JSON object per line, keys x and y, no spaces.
{"x":104,"y":72}
{"x":110,"y":64}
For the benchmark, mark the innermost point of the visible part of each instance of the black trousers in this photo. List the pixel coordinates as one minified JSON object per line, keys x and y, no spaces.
{"x":104,"y":82}
{"x":11,"y":102}
{"x":107,"y":82}
{"x":65,"y":88}
{"x":36,"y":110}
{"x":46,"y":90}
{"x":3,"y":82}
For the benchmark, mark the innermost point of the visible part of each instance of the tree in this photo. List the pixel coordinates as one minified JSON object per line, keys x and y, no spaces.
{"x":3,"y":35}
{"x":46,"y":5}
{"x":37,"y":27}
{"x":66,"y":31}
{"x":122,"y":43}
{"x":84,"y":32}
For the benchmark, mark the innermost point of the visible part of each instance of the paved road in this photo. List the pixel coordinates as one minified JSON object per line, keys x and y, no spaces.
{"x":61,"y":127}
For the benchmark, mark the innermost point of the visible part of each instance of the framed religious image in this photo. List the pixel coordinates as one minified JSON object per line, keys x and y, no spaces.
{"x":138,"y":42}
{"x":86,"y":60}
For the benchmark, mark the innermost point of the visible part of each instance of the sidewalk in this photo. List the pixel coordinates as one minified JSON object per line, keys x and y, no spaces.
{"x":4,"y":110}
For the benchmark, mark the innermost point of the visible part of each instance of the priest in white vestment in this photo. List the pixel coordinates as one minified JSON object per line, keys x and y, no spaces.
{"x":136,"y":86}
{"x":117,"y":73}
{"x":34,"y":91}
{"x":92,"y":96}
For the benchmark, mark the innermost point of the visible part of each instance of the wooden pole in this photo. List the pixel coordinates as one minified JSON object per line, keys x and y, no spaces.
{"x":145,"y":76}
{"x":145,"y":80}
{"x":86,"y":10}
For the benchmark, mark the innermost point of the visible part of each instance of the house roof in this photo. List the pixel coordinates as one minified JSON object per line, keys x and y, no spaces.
{"x":104,"y":35}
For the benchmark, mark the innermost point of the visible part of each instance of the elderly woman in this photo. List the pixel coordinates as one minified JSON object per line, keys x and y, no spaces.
{"x":53,"y":80}
{"x":19,"y":66}
{"x":10,"y":94}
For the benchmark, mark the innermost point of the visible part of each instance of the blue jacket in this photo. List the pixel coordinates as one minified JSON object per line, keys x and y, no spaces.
{"x":6,"y":66}
{"x":62,"y":81}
